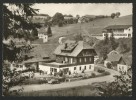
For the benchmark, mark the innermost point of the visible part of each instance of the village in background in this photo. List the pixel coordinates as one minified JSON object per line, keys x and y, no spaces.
{"x":66,"y":55}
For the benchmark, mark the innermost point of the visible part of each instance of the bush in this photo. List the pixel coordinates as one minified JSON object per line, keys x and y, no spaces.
{"x":106,"y":73}
{"x":60,"y":24}
{"x":34,"y":81}
{"x":109,"y":65}
{"x":101,"y":70}
{"x":93,"y":75}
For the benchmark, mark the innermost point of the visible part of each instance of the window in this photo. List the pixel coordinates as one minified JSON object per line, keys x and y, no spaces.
{"x":51,"y":69}
{"x":89,"y":66}
{"x":74,"y":68}
{"x":85,"y":59}
{"x":80,"y":68}
{"x":80,"y":60}
{"x":90,"y":59}
{"x":85,"y":68}
{"x":55,"y":70}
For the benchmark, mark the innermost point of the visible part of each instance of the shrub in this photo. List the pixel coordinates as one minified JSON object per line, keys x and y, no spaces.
{"x":106,"y":73}
{"x":93,"y":75}
{"x":34,"y":81}
{"x":101,"y":70}
{"x":109,"y":65}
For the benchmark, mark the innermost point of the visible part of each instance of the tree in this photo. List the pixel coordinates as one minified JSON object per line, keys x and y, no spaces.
{"x":104,"y":52}
{"x":106,"y":39}
{"x":121,"y":86}
{"x":117,"y":14}
{"x":77,"y":16}
{"x":113,"y":15}
{"x":49,"y":32}
{"x":109,"y":65}
{"x":16,"y":25}
{"x":60,"y":24}
{"x":113,"y":43}
{"x":58,"y":19}
{"x":70,"y":15}
{"x":122,"y":47}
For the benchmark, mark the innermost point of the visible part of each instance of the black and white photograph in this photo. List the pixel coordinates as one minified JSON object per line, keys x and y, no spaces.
{"x":67,"y":49}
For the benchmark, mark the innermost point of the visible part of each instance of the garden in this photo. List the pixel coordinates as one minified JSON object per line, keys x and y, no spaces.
{"x":28,"y":78}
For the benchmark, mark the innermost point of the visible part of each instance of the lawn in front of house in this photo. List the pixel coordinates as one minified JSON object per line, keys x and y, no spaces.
{"x":87,"y":90}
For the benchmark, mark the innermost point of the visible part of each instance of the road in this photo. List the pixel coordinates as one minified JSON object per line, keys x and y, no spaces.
{"x":29,"y":88}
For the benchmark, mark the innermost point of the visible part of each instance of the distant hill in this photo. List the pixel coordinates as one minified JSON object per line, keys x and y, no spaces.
{"x":125,"y":20}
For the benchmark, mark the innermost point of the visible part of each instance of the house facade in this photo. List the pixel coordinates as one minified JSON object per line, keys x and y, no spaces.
{"x":42,"y":34}
{"x":71,"y":57}
{"x":119,"y":31}
{"x":124,"y":65}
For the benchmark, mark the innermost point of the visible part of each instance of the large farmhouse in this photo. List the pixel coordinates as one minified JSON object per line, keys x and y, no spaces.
{"x":119,"y":31}
{"x":71,"y":57}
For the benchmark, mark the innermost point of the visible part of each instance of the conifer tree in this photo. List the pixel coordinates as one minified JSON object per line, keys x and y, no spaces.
{"x":49,"y":32}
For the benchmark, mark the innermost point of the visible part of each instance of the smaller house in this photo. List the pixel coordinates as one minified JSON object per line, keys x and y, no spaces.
{"x":124,"y":65}
{"x":119,"y":31}
{"x":42,"y":34}
{"x":118,"y":62}
{"x":113,"y":58}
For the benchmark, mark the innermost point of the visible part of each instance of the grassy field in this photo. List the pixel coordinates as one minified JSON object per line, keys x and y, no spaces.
{"x":77,"y":91}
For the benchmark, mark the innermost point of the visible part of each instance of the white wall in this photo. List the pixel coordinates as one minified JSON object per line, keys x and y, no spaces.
{"x":121,"y":34}
{"x":44,"y":37}
{"x":44,"y":68}
{"x":71,"y":68}
{"x":122,"y":68}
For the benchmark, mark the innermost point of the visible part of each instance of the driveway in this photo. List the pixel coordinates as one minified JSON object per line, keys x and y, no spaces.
{"x":109,"y":78}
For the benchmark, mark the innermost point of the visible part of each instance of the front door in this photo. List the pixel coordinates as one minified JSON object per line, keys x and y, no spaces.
{"x":129,"y":35}
{"x":66,"y":70}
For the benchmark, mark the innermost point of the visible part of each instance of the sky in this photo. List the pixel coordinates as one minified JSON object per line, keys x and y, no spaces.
{"x":84,"y":8}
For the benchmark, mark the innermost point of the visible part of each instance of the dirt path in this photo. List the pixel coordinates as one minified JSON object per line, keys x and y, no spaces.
{"x":108,"y":78}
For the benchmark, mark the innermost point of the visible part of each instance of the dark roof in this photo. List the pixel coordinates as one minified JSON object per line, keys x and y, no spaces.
{"x":76,"y":50}
{"x":122,"y":61}
{"x":118,"y":27}
{"x":113,"y":56}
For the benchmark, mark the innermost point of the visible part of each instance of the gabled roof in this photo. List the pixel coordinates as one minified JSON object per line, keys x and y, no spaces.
{"x":121,"y":61}
{"x":78,"y":48}
{"x":118,"y":27}
{"x":126,"y":61}
{"x":113,"y":56}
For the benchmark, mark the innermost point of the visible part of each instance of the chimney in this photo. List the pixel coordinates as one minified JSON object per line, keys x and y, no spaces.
{"x":66,"y":45}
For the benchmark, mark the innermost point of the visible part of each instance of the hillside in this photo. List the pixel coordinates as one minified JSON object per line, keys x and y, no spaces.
{"x":93,"y":27}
